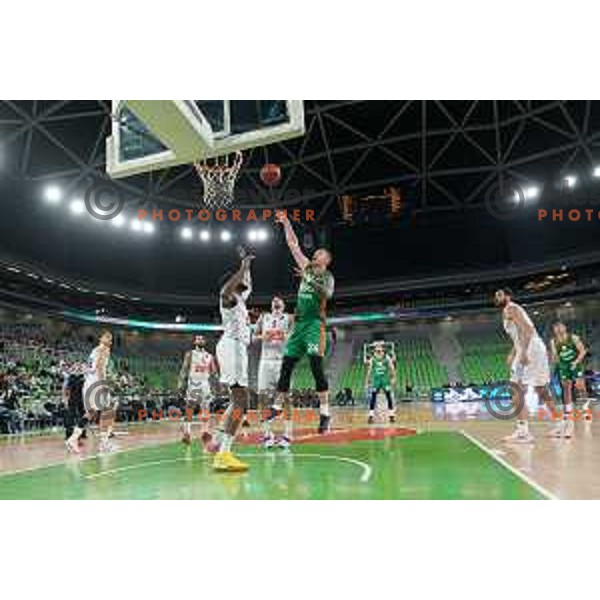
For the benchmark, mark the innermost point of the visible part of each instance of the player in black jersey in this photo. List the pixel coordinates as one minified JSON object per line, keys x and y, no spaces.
{"x":75,"y":420}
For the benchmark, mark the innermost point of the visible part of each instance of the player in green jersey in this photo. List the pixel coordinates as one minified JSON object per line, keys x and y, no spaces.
{"x":567,"y":352}
{"x":381,"y":377}
{"x":308,"y":333}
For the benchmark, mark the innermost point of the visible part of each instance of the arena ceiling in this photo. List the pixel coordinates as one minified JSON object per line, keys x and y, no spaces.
{"x":444,"y":156}
{"x":446,"y":153}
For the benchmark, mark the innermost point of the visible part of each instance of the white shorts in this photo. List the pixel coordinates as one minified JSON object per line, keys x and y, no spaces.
{"x":198,"y":391}
{"x":537,"y":371}
{"x":97,"y":396}
{"x":268,"y":374}
{"x":232,"y":356}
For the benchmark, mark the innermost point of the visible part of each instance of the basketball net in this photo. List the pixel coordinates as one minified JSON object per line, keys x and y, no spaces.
{"x":218,"y":178}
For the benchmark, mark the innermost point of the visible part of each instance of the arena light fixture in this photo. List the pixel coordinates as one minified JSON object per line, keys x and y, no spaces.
{"x":570,"y":180}
{"x":52,"y":194}
{"x":597,"y":172}
{"x":136,"y":225}
{"x":77,"y":206}
{"x":225,"y":236}
{"x":205,"y":235}
{"x":262,"y":235}
{"x":148,"y":228}
{"x":531,"y":192}
{"x":253,"y":235}
{"x":186,"y":233}
{"x":118,"y":221}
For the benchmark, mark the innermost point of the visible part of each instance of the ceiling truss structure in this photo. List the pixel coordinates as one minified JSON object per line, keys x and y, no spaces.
{"x":448,"y":154}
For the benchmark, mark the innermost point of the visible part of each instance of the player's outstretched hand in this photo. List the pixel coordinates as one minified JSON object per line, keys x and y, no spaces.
{"x":248,"y":259}
{"x":281,"y":217}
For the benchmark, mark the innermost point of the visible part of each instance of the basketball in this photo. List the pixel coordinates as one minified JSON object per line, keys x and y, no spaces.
{"x":270,"y":174}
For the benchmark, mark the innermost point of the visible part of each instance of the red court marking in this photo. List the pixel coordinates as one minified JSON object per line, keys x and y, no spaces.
{"x":337,"y":436}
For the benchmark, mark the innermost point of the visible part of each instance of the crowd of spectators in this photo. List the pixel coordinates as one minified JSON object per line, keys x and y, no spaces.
{"x":34,"y":365}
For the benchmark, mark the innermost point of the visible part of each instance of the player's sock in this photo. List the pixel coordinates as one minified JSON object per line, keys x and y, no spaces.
{"x":371,"y":413}
{"x":288,"y":429}
{"x":187,"y":427}
{"x":324,"y":410}
{"x":77,"y":431}
{"x":226,"y":441}
{"x":104,"y":441}
{"x":523,"y":427}
{"x":266,"y":427}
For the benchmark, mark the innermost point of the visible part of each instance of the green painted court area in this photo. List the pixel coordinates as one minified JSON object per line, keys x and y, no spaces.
{"x":442,"y":465}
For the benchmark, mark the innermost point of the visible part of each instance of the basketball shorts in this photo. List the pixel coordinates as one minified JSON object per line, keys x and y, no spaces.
{"x":198,"y":392}
{"x":307,"y":338}
{"x":96,"y":396}
{"x":381,"y":385}
{"x":268,"y":373}
{"x":566,"y":372}
{"x":537,"y":371}
{"x":232,"y":356}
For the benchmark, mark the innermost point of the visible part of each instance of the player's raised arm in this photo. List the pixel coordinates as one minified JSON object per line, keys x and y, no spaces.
{"x":239,"y":277}
{"x":292,"y":242}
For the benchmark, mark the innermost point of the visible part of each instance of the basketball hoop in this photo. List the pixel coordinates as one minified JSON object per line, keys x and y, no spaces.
{"x":218,"y":178}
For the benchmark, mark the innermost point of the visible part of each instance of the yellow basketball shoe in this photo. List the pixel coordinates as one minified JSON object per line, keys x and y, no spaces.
{"x":227,"y":462}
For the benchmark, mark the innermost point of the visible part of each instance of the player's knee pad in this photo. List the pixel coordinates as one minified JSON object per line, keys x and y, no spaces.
{"x":285,"y":375}
{"x":316,"y":366}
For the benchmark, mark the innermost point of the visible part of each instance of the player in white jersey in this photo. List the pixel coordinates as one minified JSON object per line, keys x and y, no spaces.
{"x":528,"y":363}
{"x":272,"y":329}
{"x":194,"y":380}
{"x":232,"y":356}
{"x":96,"y":394}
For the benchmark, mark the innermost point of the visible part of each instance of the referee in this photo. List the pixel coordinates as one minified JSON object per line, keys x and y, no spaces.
{"x":75,"y":414}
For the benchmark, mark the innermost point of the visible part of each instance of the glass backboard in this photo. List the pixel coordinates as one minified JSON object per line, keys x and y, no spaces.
{"x":148,"y":135}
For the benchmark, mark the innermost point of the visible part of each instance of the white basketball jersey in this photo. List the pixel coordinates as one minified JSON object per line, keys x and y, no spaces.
{"x":511,"y":327}
{"x":92,"y":362}
{"x":275,"y":328}
{"x":201,"y":363}
{"x":236,"y":324}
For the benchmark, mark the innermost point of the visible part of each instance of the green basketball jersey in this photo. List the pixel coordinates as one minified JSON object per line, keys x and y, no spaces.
{"x":311,"y":303}
{"x":566,"y":350}
{"x":380,"y":369}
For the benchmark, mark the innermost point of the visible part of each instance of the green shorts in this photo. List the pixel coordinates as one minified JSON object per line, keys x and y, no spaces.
{"x":568,"y":373}
{"x":307,"y":337}
{"x":381,"y":384}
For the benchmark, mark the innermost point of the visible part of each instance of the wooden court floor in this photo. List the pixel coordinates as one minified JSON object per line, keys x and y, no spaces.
{"x":426,"y":454}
